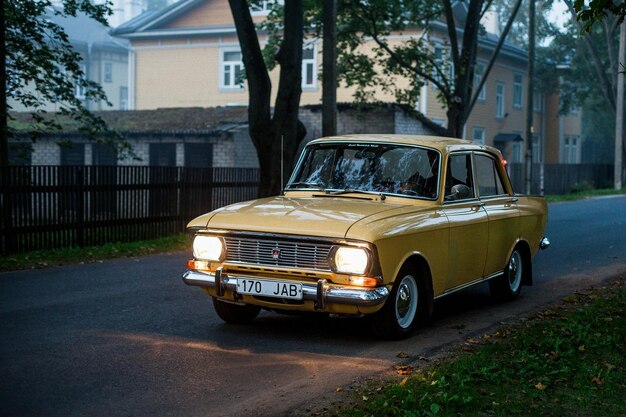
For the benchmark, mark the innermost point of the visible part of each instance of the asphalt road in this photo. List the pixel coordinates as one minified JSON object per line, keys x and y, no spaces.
{"x":127,"y":338}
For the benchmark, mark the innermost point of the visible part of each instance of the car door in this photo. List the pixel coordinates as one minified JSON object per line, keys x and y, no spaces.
{"x":501,"y":208}
{"x":469,"y":228}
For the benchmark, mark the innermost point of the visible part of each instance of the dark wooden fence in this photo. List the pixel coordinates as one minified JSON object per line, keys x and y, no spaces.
{"x":46,"y":207}
{"x":561,"y":178}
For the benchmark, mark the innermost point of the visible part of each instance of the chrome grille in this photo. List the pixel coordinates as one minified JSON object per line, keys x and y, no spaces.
{"x":292,"y":254}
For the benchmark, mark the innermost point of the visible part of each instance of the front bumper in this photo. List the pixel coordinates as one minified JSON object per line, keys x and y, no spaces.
{"x":322,"y":293}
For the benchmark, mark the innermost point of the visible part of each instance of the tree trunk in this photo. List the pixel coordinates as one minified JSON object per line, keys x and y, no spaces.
{"x":276,"y":137}
{"x":4,"y":130}
{"x":329,"y":70}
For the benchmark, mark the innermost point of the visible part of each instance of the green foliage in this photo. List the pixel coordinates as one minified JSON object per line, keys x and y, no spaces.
{"x":42,"y":66}
{"x":564,"y":361}
{"x":598,"y":10}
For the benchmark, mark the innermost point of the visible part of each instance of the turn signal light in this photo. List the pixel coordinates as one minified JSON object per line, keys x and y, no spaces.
{"x":364,"y":281}
{"x":197,"y":265}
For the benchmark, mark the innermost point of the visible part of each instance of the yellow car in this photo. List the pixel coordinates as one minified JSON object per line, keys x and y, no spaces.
{"x":375,"y":225}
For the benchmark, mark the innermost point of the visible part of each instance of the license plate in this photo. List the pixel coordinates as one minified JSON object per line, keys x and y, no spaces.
{"x":277,"y":289}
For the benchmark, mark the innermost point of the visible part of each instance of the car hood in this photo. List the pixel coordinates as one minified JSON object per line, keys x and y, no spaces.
{"x":314,"y":216}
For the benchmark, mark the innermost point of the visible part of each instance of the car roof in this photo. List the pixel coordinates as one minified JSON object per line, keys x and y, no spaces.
{"x":441,"y":143}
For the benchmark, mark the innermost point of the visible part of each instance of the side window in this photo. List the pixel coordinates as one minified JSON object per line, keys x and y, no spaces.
{"x":489,"y":181}
{"x":459,"y":172}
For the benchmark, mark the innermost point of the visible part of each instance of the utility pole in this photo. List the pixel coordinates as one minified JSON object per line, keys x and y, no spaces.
{"x":329,"y":69}
{"x":619,"y":116}
{"x":529,"y":96}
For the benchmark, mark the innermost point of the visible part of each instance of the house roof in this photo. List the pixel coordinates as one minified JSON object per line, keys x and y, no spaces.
{"x":161,"y":121}
{"x":84,"y":31}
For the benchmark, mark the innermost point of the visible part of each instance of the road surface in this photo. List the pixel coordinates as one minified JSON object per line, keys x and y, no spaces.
{"x":127,"y":338}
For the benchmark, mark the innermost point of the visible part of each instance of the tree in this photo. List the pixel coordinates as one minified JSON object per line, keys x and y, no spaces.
{"x":597,"y":11}
{"x":42,"y":67}
{"x":401,"y":69}
{"x":276,"y":135}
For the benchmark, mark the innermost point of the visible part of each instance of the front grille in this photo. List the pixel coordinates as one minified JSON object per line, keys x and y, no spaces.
{"x":289,"y":254}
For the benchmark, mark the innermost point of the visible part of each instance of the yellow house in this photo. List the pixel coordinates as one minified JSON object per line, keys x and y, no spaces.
{"x":188,"y":55}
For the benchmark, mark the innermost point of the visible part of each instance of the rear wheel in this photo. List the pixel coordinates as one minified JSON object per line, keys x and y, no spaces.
{"x":405,"y":307}
{"x":235,"y":313}
{"x":508,"y":286}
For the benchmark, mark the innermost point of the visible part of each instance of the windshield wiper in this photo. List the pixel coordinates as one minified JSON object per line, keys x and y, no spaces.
{"x":352,"y":191}
{"x":305,"y":184}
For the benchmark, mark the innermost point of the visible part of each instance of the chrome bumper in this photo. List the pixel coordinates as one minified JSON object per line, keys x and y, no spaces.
{"x":321,"y":292}
{"x":544,"y":244}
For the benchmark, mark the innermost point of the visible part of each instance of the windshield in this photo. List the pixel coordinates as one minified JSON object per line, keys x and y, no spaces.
{"x":370,"y":167}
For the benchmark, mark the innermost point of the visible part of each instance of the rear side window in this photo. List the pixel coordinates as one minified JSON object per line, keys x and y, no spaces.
{"x":487,"y":176}
{"x":460,"y":172}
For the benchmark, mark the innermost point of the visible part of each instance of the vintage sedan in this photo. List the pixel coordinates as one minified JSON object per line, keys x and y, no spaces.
{"x":374,"y":225}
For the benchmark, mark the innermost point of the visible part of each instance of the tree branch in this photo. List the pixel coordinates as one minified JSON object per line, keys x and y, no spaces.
{"x":454,"y":44}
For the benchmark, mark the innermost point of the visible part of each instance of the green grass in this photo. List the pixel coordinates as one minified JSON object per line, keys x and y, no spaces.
{"x":55,"y":257}
{"x":566,"y":361}
{"x":580,"y":195}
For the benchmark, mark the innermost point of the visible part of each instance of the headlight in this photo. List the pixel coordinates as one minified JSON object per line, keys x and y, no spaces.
{"x":208,"y":248}
{"x":349,"y":260}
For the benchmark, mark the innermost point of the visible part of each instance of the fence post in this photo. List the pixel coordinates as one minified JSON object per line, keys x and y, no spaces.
{"x":80,"y":209}
{"x":10,"y":243}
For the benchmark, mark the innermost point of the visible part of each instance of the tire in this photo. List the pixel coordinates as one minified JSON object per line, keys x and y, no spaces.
{"x":405,"y":308}
{"x":235,"y":313}
{"x":509,"y":285}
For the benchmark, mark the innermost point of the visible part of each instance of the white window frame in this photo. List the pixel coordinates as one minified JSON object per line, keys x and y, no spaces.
{"x":107,"y":72}
{"x":518,"y":90}
{"x":517,"y":151}
{"x":571,"y":149}
{"x":264,"y":8}
{"x":444,"y":61}
{"x":478,"y":75}
{"x":537,"y":100}
{"x":500,"y":97}
{"x":79,"y":91}
{"x":232,"y":65}
{"x":478,"y":134}
{"x":313,"y":63}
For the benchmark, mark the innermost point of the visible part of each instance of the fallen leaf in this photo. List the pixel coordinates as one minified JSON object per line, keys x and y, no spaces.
{"x":474,"y":341}
{"x":403,"y":369}
{"x":403,"y":355}
{"x":540,"y":386}
{"x":597,"y":381}
{"x":468,"y":348}
{"x":423,"y":358}
{"x":609,"y":366}
{"x":554,"y":355}
{"x":403,"y":382}
{"x":339,"y":389}
{"x":570,"y":299}
{"x":365,"y":398}
{"x":581,"y":348}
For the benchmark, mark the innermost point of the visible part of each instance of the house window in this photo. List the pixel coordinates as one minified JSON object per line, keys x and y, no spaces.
{"x":517,"y":91}
{"x":500,"y":100}
{"x":73,"y":154}
{"x":517,"y":151}
{"x":537,"y":100}
{"x":232,"y":70}
{"x":478,"y":134}
{"x":479,"y":71}
{"x":108,"y":72}
{"x":262,"y":8}
{"x":309,"y":67}
{"x":571,"y":149}
{"x":123,"y":98}
{"x":537,"y":157}
{"x":79,"y":90}
{"x":442,"y":64}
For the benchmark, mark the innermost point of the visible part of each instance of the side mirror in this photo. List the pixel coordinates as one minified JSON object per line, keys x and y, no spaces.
{"x":459,"y":192}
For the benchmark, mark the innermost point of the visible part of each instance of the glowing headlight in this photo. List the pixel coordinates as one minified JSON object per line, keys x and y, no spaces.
{"x":350,"y":260}
{"x":208,"y":248}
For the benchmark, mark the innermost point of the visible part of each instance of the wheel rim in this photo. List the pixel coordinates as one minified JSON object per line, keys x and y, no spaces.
{"x":514,"y":270}
{"x":406,"y":301}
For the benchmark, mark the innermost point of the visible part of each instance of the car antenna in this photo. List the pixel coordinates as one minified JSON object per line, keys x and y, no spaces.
{"x":282,"y":164}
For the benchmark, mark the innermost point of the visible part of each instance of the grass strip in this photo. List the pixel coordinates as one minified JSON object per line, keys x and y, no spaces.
{"x":55,"y":257}
{"x":564,"y":361}
{"x":581,"y":195}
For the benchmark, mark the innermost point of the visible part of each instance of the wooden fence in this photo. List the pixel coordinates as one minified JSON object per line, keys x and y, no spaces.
{"x":45,"y":207}
{"x":561,"y":178}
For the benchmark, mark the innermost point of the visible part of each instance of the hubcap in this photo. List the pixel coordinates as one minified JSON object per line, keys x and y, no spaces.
{"x":406,"y":301}
{"x":515,"y":271}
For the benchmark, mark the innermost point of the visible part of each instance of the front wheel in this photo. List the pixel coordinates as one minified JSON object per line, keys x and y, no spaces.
{"x":508,"y":286}
{"x":404,"y":308}
{"x":235,"y":313}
